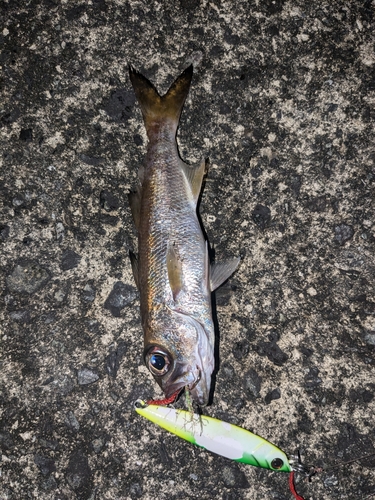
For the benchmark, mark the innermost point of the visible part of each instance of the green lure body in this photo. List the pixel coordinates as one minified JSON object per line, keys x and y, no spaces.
{"x":219,"y":437}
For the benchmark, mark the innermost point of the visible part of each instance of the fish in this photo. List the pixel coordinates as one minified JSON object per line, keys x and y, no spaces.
{"x":172,"y":269}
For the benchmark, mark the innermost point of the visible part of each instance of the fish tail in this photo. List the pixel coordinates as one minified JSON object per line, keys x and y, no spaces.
{"x":156,"y":109}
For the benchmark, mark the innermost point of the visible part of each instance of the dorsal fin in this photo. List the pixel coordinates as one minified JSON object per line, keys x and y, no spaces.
{"x":195,"y":175}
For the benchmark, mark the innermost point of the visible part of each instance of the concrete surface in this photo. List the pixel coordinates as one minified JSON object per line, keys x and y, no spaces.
{"x":282,"y":103}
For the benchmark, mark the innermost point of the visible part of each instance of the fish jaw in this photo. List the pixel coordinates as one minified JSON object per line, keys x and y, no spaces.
{"x":184,"y":376}
{"x":205,"y":364}
{"x":187,"y":348}
{"x":200,"y":392}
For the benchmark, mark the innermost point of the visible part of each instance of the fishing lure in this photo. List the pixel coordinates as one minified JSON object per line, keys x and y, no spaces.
{"x":220,"y":437}
{"x":228,"y":440}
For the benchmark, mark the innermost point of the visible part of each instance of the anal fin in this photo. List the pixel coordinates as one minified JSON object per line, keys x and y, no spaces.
{"x":135,"y":267}
{"x":134,"y":198}
{"x":221,"y":271}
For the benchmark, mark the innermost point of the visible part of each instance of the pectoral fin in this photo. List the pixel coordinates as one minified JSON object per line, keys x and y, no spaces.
{"x":134,"y":198}
{"x":195,"y":175}
{"x":221,"y":271}
{"x":174,"y":267}
{"x":134,"y":263}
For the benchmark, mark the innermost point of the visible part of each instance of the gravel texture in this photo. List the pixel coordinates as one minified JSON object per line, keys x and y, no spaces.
{"x":282,"y":104}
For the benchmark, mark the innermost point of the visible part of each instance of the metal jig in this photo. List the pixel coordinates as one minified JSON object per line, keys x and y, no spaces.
{"x":219,"y":437}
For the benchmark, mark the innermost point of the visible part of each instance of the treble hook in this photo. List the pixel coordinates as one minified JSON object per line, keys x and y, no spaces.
{"x":298,"y":466}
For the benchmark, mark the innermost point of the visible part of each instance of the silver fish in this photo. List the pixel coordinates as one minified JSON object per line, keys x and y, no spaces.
{"x":173,"y":271}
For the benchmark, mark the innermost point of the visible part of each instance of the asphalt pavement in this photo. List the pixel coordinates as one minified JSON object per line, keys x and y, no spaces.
{"x":282,"y":106}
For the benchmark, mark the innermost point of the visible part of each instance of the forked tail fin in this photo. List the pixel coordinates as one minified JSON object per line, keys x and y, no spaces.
{"x":158,"y":109}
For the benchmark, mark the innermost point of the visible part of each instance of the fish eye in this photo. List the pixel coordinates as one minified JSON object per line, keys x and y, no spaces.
{"x":158,"y":362}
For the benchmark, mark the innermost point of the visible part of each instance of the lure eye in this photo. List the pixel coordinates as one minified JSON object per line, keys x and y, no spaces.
{"x":277,"y":463}
{"x":158,"y":362}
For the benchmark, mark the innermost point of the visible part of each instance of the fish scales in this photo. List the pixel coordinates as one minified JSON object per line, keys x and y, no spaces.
{"x":166,"y":217}
{"x":172,"y":270}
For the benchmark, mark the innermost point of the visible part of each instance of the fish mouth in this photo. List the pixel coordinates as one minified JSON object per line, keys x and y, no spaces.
{"x":182,"y":376}
{"x":197,"y":382}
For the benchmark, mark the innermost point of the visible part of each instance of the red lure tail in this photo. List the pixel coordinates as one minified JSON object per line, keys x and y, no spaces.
{"x":293,"y":488}
{"x":166,"y":401}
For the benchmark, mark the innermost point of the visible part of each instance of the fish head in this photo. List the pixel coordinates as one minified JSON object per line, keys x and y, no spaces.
{"x":179,"y":354}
